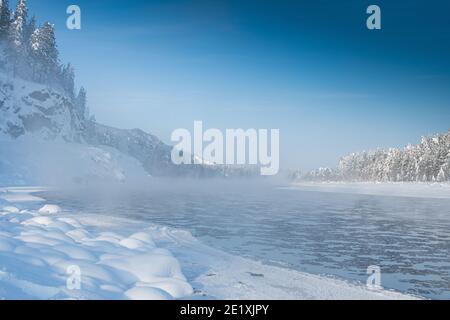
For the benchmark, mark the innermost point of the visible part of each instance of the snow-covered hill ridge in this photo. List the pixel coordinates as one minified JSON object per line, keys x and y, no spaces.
{"x":45,"y":139}
{"x":151,"y":152}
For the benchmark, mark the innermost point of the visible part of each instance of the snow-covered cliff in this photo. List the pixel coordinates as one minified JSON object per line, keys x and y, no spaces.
{"x":44,"y":139}
{"x":30,"y":109}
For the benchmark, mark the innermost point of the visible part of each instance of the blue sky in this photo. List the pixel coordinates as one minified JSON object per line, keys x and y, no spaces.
{"x":310,"y":68}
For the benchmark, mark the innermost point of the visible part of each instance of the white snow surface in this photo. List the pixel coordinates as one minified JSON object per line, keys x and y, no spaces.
{"x":395,"y":189}
{"x":38,"y":250}
{"x":124,"y":259}
{"x":50,"y":209}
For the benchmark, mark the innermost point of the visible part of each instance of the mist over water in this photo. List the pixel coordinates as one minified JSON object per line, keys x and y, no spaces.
{"x":322,"y":233}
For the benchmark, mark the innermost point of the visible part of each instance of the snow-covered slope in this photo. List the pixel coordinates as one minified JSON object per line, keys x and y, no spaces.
{"x":30,"y":161}
{"x":43,"y":139}
{"x":151,"y":152}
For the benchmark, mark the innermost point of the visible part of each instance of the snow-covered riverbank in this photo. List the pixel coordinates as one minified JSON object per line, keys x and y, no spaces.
{"x":398,"y":189}
{"x":41,"y":250}
{"x":44,"y":253}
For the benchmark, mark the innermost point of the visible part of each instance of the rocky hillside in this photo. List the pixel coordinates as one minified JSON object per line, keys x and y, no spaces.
{"x":31,"y":109}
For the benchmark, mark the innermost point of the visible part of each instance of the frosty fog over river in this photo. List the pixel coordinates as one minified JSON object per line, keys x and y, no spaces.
{"x":326,"y":233}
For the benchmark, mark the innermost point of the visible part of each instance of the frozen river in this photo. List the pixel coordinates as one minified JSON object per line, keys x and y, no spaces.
{"x":328,"y":233}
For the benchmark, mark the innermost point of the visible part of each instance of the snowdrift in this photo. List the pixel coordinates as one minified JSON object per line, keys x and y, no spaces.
{"x":40,"y":250}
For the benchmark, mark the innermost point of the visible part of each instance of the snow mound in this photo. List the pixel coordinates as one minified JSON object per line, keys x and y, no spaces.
{"x":54,"y":256}
{"x":217,"y":275}
{"x":146,"y":293}
{"x":50,"y":209}
{"x":11,"y":209}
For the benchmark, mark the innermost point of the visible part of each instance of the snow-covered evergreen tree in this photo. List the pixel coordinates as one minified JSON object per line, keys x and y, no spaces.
{"x":441,"y":176}
{"x":30,"y":53}
{"x":44,"y":53}
{"x":81,"y":103}
{"x":16,"y":51}
{"x":21,"y":11}
{"x":49,"y":48}
{"x":29,"y":29}
{"x":426,"y":162}
{"x":67,"y":76}
{"x":5,"y":19}
{"x":18,"y":26}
